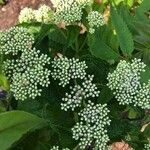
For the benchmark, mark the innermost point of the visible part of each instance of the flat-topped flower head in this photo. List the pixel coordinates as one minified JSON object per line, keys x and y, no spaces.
{"x":79,"y":93}
{"x":125,"y":82}
{"x":28,"y":74}
{"x":143,"y":96}
{"x":91,"y":130}
{"x":66,"y":69}
{"x":44,"y":14}
{"x":95,"y":20}
{"x":26,"y":15}
{"x":14,"y":40}
{"x":69,"y":11}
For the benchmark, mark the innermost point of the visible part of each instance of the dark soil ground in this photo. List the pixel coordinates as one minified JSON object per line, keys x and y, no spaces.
{"x":9,"y":12}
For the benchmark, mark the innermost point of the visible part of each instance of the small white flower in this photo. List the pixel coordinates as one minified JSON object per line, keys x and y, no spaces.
{"x":27,"y":73}
{"x":43,"y":14}
{"x":26,"y":15}
{"x":14,"y":40}
{"x":66,"y":69}
{"x":95,"y":20}
{"x":92,"y":126}
{"x":125,"y":81}
{"x":57,"y":148}
{"x":69,"y":12}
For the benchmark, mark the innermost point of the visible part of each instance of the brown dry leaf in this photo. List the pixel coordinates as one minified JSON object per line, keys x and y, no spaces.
{"x":144,"y":126}
{"x":120,"y":146}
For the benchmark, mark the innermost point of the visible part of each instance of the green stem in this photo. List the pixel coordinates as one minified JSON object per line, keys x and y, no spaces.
{"x":76,"y":147}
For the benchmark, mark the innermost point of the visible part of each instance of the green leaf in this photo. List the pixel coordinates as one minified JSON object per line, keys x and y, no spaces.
{"x":132,"y":113}
{"x":105,"y":95}
{"x":57,"y":38}
{"x":100,"y":48}
{"x":125,"y":13}
{"x":44,"y":31}
{"x":101,"y":67}
{"x":72,"y":34}
{"x":4,"y":82}
{"x":142,"y":10}
{"x":124,"y":36}
{"x":15,"y":124}
{"x":130,"y":2}
{"x":147,"y":131}
{"x":145,"y":76}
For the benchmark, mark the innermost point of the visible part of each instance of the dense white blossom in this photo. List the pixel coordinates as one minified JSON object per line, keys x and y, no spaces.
{"x":125,"y":81}
{"x":26,"y":15}
{"x":143,"y":96}
{"x":69,"y":11}
{"x":14,"y":40}
{"x":66,"y":69}
{"x":92,"y":126}
{"x":57,"y":148}
{"x":79,"y":93}
{"x":43,"y":14}
{"x":95,"y":20}
{"x":28,"y":74}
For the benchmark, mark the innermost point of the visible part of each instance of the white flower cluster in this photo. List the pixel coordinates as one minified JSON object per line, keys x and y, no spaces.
{"x":147,"y":146}
{"x":79,"y":93}
{"x":14,"y":40}
{"x":69,"y":11}
{"x":125,"y":82}
{"x":66,"y":69}
{"x":43,"y":14}
{"x":26,"y":15}
{"x":143,"y":96}
{"x":57,"y":148}
{"x":27,"y":73}
{"x":92,"y":127}
{"x":95,"y":19}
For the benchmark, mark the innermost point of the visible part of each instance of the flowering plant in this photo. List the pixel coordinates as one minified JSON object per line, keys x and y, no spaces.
{"x":76,"y":76}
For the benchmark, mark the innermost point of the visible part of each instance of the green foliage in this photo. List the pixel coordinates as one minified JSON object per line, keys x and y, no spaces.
{"x":40,"y":123}
{"x":142,"y":41}
{"x":15,"y":124}
{"x":2,"y":2}
{"x":99,"y":47}
{"x":4,"y":83}
{"x":142,"y":10}
{"x":124,"y":35}
{"x":147,"y":131}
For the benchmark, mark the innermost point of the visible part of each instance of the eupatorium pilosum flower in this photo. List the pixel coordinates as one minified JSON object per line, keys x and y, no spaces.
{"x":44,"y":14}
{"x":79,"y":93}
{"x":26,"y":15}
{"x":92,"y":126}
{"x":95,"y":20}
{"x":69,"y":11}
{"x":143,"y":96}
{"x":126,"y":84}
{"x":65,"y":69}
{"x":14,"y":40}
{"x":28,"y":74}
